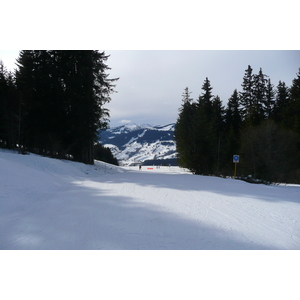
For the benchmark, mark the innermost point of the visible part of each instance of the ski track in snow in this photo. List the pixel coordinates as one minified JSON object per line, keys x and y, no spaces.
{"x":53,"y":204}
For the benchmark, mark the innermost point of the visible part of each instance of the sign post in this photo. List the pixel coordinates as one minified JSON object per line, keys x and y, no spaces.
{"x":236,"y":160}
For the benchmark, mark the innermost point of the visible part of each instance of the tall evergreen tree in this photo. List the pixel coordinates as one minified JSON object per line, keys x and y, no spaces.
{"x":246,"y":96}
{"x":64,"y":93}
{"x":218,"y":130}
{"x":233,"y":126}
{"x":10,"y":110}
{"x":282,"y":100}
{"x":270,"y":99}
{"x":233,"y":116}
{"x":260,"y":97}
{"x":205,"y":99}
{"x":295,"y":88}
{"x":295,"y":103}
{"x":295,"y":122}
{"x":32,"y":90}
{"x":185,"y":132}
{"x":218,"y":111}
{"x":204,"y":158}
{"x":254,"y":97}
{"x":3,"y":105}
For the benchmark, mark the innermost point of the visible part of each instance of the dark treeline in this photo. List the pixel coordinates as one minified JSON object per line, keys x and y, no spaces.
{"x":261,"y":123}
{"x":53,"y":103}
{"x":104,"y":154}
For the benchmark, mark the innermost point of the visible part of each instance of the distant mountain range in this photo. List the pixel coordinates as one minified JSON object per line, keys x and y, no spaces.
{"x":141,"y":144}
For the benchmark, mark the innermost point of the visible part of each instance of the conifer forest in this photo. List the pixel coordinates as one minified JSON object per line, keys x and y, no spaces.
{"x":53,"y":104}
{"x":260,"y":123}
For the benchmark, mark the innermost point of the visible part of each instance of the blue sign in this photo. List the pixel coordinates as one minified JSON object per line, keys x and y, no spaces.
{"x":236,"y":158}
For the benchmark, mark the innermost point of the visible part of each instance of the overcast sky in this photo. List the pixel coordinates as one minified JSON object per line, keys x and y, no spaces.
{"x":152,"y":81}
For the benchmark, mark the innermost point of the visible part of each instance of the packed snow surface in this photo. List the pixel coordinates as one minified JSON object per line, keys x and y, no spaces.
{"x":55,"y":204}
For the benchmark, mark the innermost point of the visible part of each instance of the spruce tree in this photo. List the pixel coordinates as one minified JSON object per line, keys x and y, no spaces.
{"x":270,"y":99}
{"x":282,"y":100}
{"x":3,"y":103}
{"x":255,"y":106}
{"x":259,"y":106}
{"x":204,"y":158}
{"x":246,"y":96}
{"x":205,"y":99}
{"x":295,"y":103}
{"x":295,"y":118}
{"x":63,"y":94}
{"x":233,"y":126}
{"x":33,"y":90}
{"x":10,"y":110}
{"x":233,"y":116}
{"x":218,"y":130}
{"x":184,"y":134}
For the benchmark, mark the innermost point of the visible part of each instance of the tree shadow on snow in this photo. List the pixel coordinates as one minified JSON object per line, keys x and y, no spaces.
{"x":222,"y":186}
{"x":86,"y":217}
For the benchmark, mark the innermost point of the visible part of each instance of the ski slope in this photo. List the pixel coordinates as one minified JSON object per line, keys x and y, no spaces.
{"x":55,"y":204}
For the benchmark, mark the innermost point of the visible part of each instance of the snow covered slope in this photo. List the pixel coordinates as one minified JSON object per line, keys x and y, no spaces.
{"x":133,"y":143}
{"x":55,"y":204}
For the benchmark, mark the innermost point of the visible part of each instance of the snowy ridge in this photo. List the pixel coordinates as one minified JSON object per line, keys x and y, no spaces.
{"x":129,"y":127}
{"x":134,"y":143}
{"x":55,"y":204}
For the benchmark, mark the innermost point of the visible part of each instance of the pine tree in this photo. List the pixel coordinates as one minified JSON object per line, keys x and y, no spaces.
{"x":233,"y":116}
{"x":218,"y":112}
{"x":295,"y":88}
{"x":78,"y":80}
{"x":64,"y":93}
{"x":186,"y":96}
{"x":295,"y":103}
{"x":218,"y":130}
{"x":10,"y":110}
{"x":33,"y":90}
{"x":295,"y":118}
{"x":199,"y":132}
{"x":233,"y":126}
{"x":259,"y":98}
{"x":205,"y":99}
{"x":282,"y":100}
{"x":204,"y":158}
{"x":254,"y":97}
{"x":3,"y":101}
{"x":246,"y":96}
{"x":270,"y":99}
{"x":184,"y":134}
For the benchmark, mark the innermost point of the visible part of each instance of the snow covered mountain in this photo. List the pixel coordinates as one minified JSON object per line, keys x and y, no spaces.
{"x":132,"y":143}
